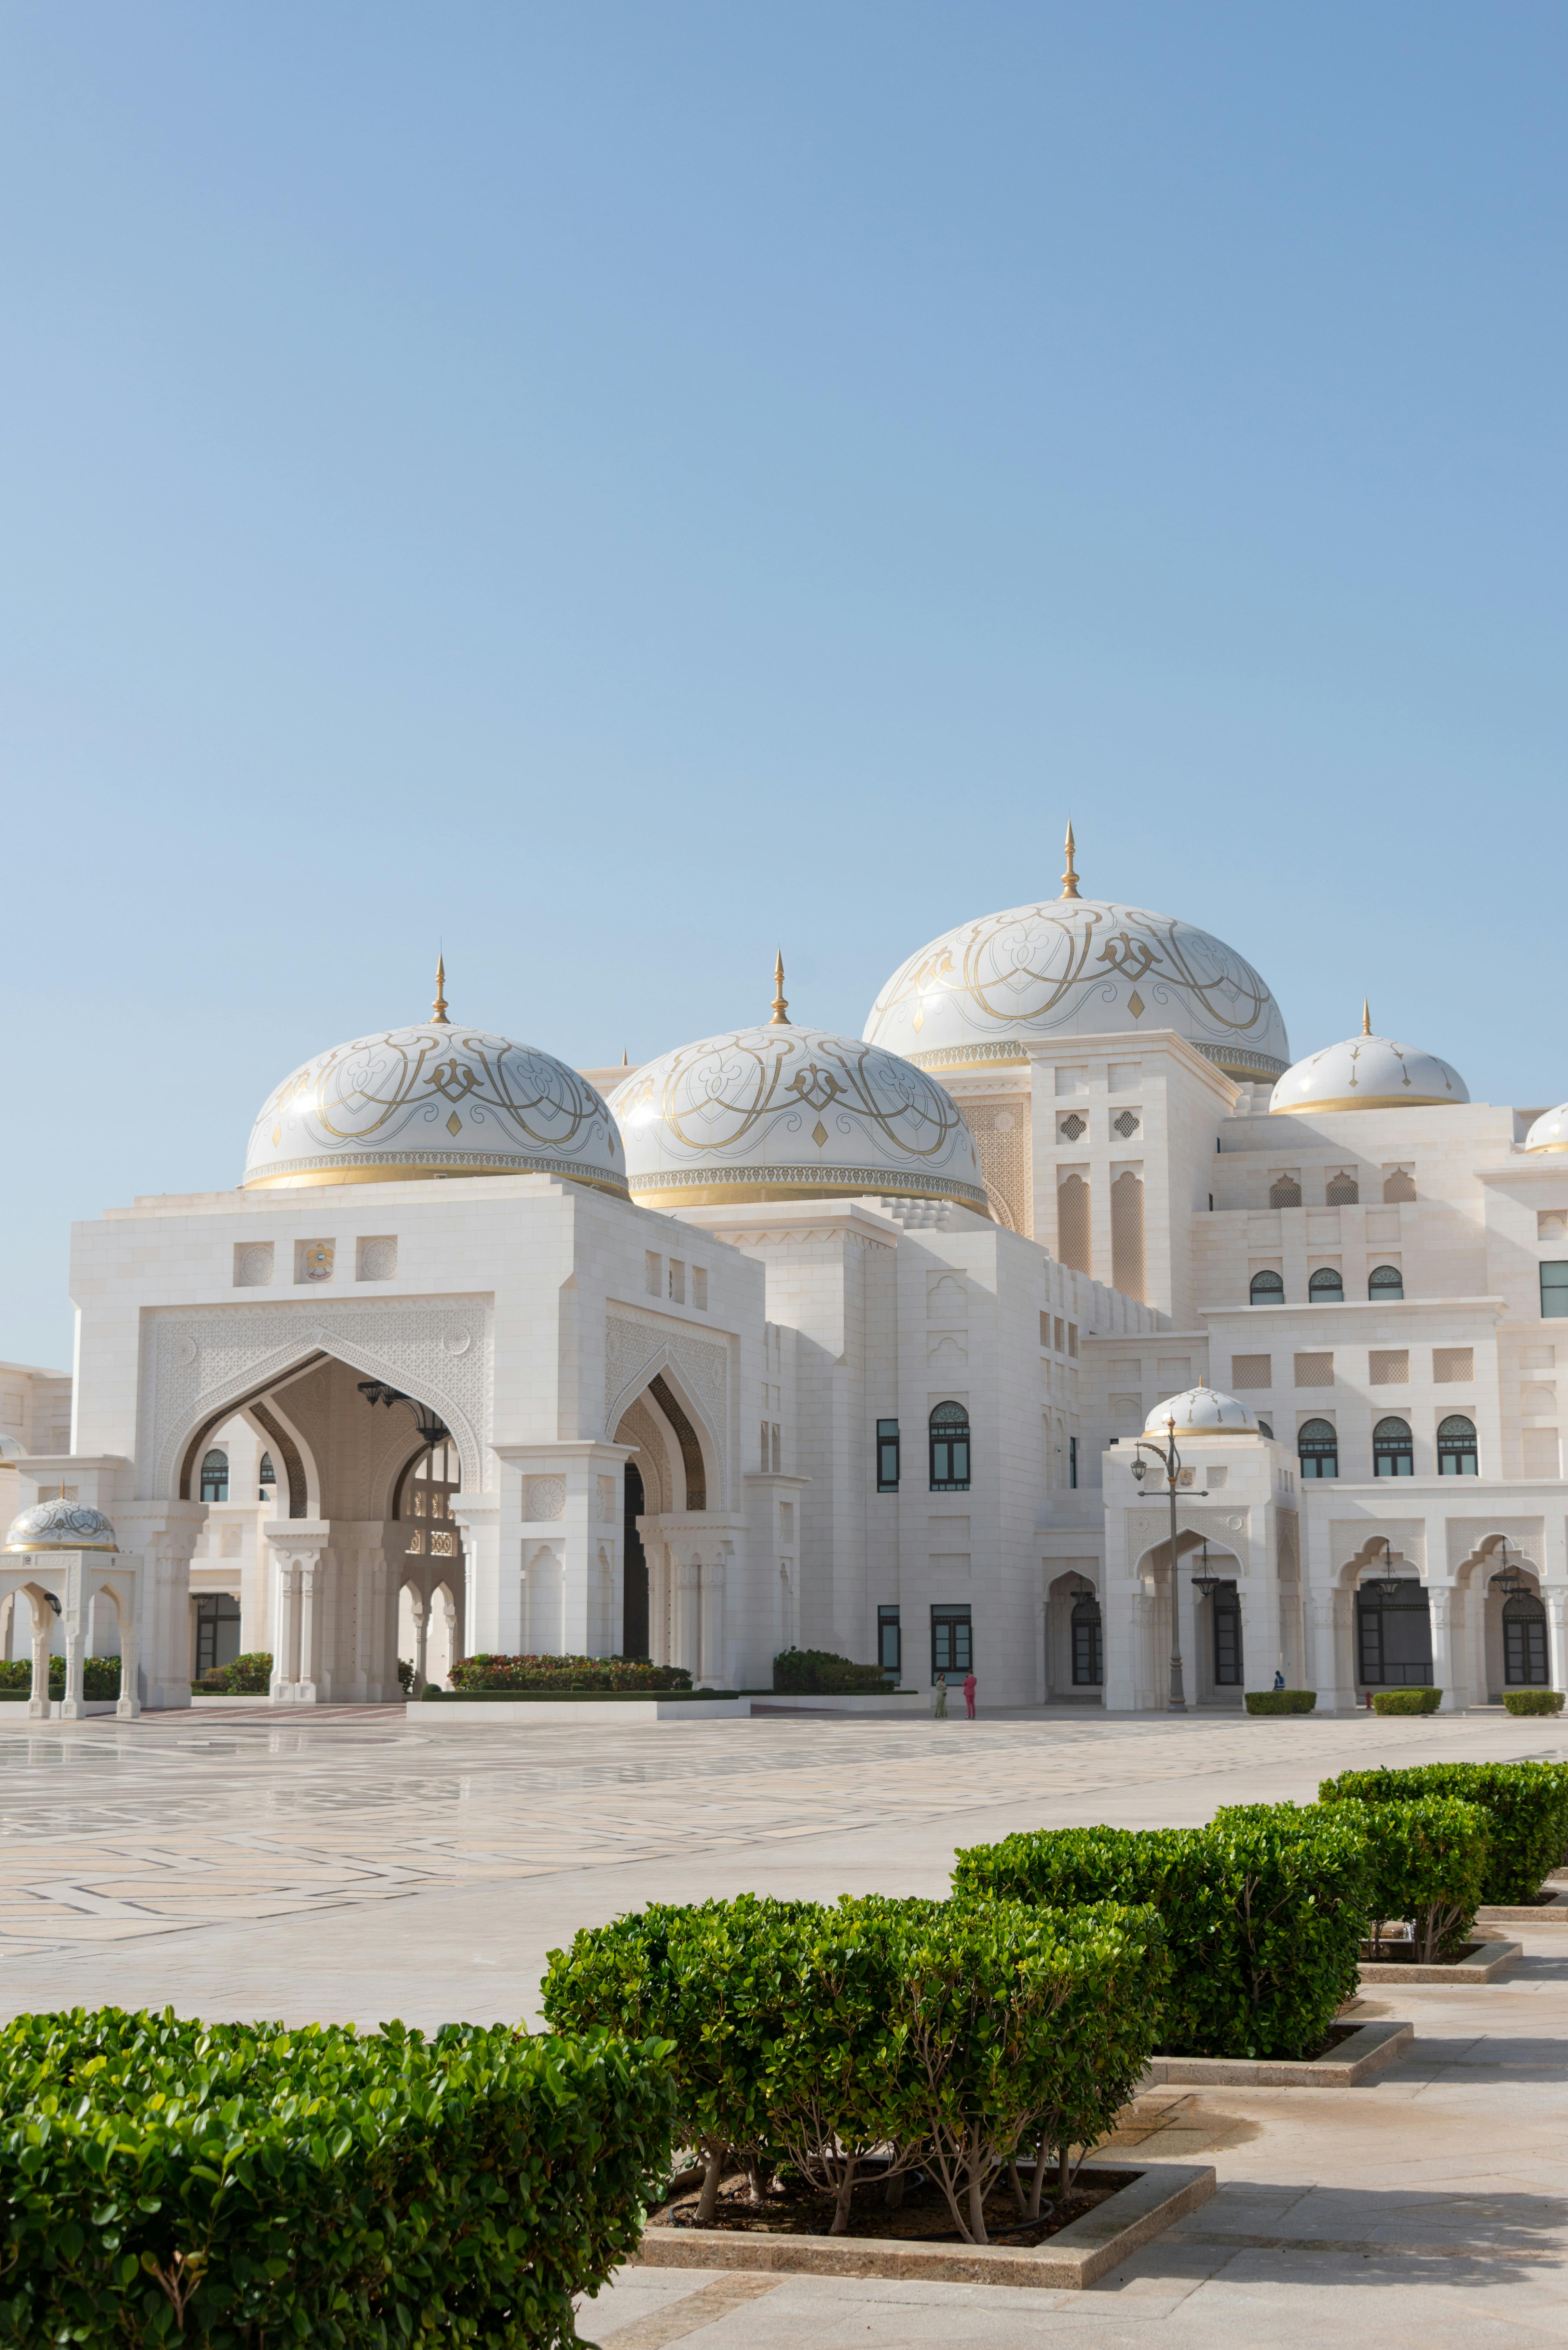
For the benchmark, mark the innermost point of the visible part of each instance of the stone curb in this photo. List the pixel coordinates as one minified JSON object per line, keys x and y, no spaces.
{"x":1160,"y":2195}
{"x":1483,"y":1963}
{"x":1550,"y":1913}
{"x":1368,"y":2049}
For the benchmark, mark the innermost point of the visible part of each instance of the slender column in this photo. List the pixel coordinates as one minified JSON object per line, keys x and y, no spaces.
{"x":1042,"y":1634}
{"x":1556,"y":1599}
{"x":1440,"y":1603}
{"x":129,"y":1705}
{"x":1325,"y":1643}
{"x":72,"y":1709}
{"x":711,"y":1655}
{"x":43,"y":1639}
{"x":311,"y":1577}
{"x":422,"y":1616}
{"x":688,"y":1601}
{"x":453,"y":1642}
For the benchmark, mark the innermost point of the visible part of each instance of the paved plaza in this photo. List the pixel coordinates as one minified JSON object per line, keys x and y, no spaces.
{"x":361,"y":1865}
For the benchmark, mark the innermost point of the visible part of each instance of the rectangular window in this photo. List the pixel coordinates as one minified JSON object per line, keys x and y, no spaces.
{"x":889,"y":1644}
{"x":677,"y":1280}
{"x":653,"y":1273}
{"x":1314,"y":1370}
{"x":1555,"y":1291}
{"x":1061,"y":1335}
{"x":762,"y":1456}
{"x":1228,"y":1671}
{"x":951,"y":1646}
{"x":1453,"y":1365}
{"x":1072,"y":1340}
{"x":1251,"y":1373}
{"x":1388,"y":1367}
{"x":778,"y":1435}
{"x":700,"y":1286}
{"x":887,"y":1456}
{"x":1044,"y":1329}
{"x":1073,"y":1462}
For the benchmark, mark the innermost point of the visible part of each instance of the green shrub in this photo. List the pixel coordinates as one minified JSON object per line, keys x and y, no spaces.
{"x":1407,"y":1701}
{"x":164,"y":2181}
{"x":1526,"y":1805}
{"x":1281,"y":1701}
{"x":406,"y":1676}
{"x":488,"y":1672}
{"x":817,"y":1672}
{"x":1534,"y":1700}
{"x":1021,"y":2027}
{"x":101,"y":1676}
{"x":712,"y":1979}
{"x":1425,"y":1863}
{"x":1264,"y":1918}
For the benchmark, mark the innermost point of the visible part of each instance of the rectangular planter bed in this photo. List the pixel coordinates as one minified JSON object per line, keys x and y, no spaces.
{"x":607,"y":1709}
{"x":1355,"y":2058}
{"x":1553,"y":1912}
{"x":873,"y":1701}
{"x":1482,"y":1962}
{"x":1086,"y":2250}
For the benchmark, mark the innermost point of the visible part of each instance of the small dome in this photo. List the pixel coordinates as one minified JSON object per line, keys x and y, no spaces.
{"x":1077,"y":967}
{"x":60,"y":1525}
{"x":778,"y":1112}
{"x":1368,"y":1072}
{"x":1200,"y":1411}
{"x":1550,"y":1131}
{"x":435,"y":1101}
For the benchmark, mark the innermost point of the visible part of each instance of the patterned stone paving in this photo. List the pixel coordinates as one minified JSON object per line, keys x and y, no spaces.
{"x":357,"y":1863}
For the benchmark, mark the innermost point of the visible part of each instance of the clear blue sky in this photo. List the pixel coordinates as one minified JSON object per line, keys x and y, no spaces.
{"x":619,"y":487}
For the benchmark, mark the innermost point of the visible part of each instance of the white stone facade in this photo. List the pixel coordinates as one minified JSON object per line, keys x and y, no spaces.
{"x":764,"y":1358}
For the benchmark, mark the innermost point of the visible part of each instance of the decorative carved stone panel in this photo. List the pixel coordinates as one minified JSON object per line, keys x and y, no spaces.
{"x":543,"y":1497}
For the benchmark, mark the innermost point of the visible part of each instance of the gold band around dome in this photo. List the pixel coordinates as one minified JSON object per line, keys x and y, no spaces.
{"x":1544,"y":1150}
{"x":740,"y":1195}
{"x":1367,"y":1101}
{"x":1212,"y":1428}
{"x":410,"y":1171}
{"x":42,"y":1550}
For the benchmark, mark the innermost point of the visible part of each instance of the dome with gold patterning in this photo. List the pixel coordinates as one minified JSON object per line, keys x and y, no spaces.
{"x":1550,"y":1131}
{"x":778,"y":1112}
{"x":436,"y":1101}
{"x":1367,"y":1071}
{"x":1202,"y":1411}
{"x":982,"y":993}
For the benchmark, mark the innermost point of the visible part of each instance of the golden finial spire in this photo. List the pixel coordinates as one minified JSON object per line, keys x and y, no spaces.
{"x":1366,"y":1017}
{"x":1069,"y":879}
{"x":625,"y":1058}
{"x":781,"y":1018}
{"x":438,"y":1009}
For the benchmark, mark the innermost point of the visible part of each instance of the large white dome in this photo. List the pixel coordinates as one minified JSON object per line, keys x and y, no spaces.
{"x":1550,"y":1131}
{"x":778,"y":1112}
{"x":1200,"y":1411}
{"x":1368,"y":1072}
{"x":1077,"y":967}
{"x":435,"y":1101}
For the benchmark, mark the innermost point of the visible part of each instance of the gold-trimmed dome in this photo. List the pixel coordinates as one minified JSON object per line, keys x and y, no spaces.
{"x":982,"y":993}
{"x":59,"y":1524}
{"x":1367,"y":1071}
{"x":431,"y":1102}
{"x":1550,"y":1131}
{"x":778,"y":1112}
{"x":1202,"y":1412}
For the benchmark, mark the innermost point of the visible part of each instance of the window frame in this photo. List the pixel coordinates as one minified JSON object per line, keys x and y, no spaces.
{"x":1453,"y":1447}
{"x":1320,"y":1293}
{"x":1327,"y":1452}
{"x":1272,"y":1294}
{"x":1393,"y":1289}
{"x":889,"y":1444}
{"x":1558,"y":1289}
{"x":1389,"y":1451}
{"x":890,"y":1635}
{"x":946,"y":1449}
{"x":1086,"y":1642}
{"x":953,"y":1620}
{"x":216,"y":1477}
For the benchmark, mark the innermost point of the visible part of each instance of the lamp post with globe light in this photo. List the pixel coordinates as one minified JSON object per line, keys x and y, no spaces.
{"x":1170,"y":1460}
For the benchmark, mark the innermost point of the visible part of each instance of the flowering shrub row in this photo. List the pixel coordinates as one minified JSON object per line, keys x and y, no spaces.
{"x":486,"y":1672}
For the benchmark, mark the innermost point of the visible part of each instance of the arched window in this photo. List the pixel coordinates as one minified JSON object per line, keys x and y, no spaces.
{"x":949,"y":1448}
{"x":1285,"y":1191}
{"x":1317,"y":1448}
{"x":1524,"y":1640}
{"x":1267,"y":1289}
{"x":1385,"y":1281}
{"x":1264,"y":1430}
{"x":1393,"y":1451}
{"x":1088,"y":1642}
{"x":1344,"y":1191}
{"x":1399,"y":1184}
{"x":215,"y":1477}
{"x":423,"y":1493}
{"x":267,"y":1478}
{"x":1457,"y":1446}
{"x":1326,"y":1287}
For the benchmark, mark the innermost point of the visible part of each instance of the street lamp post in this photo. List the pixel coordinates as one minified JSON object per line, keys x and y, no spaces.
{"x":1168,"y":1455}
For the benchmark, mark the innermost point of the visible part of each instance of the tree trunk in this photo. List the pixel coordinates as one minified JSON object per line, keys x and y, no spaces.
{"x":841,"y":2205}
{"x":1037,"y":2183}
{"x":893,"y":2192}
{"x":976,"y":2196}
{"x":713,"y":2172}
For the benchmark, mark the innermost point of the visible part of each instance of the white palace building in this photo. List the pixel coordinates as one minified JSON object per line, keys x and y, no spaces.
{"x":793,"y":1337}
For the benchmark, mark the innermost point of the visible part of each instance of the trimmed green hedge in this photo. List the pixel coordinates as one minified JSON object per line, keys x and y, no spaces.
{"x":1281,"y":1701}
{"x":469,"y":1675}
{"x":1407,"y":1701}
{"x":100,"y":1677}
{"x":1425,"y":1863}
{"x":431,"y":1695}
{"x":165,"y":2182}
{"x":817,"y":1672}
{"x":964,"y":2036}
{"x":246,"y":1676}
{"x":1534,"y":1700}
{"x":1526,"y":1807}
{"x":1264,"y":1917}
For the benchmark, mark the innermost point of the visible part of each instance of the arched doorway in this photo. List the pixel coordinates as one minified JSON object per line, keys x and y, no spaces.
{"x":1393,"y":1632}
